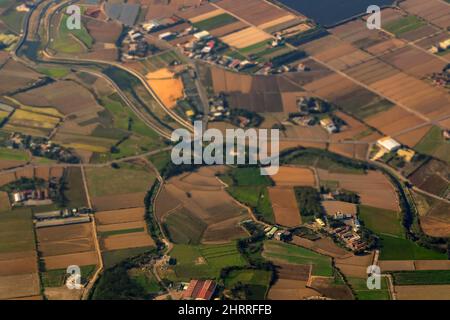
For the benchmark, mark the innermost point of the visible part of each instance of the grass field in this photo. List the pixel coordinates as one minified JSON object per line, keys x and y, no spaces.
{"x":13,"y":19}
{"x":434,"y":144}
{"x":113,"y":257}
{"x":56,"y":72}
{"x":16,"y":231}
{"x":127,"y":179}
{"x":249,"y":187}
{"x":381,"y":221}
{"x":404,"y":25}
{"x":203,"y":261}
{"x":57,"y":277}
{"x":393,"y":248}
{"x":184,"y":228}
{"x":215,"y":22}
{"x":160,"y":160}
{"x":297,"y":255}
{"x":13,"y":154}
{"x":65,"y":42}
{"x":257,"y":281}
{"x":31,"y":118}
{"x":422,"y":277}
{"x":359,"y":288}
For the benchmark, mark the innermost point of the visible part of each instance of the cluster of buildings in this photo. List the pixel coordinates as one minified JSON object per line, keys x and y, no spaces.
{"x":349,"y":236}
{"x":441,"y":46}
{"x":441,"y":79}
{"x":134,"y":46}
{"x":31,"y":197}
{"x":389,"y":145}
{"x":308,"y":110}
{"x":25,"y":7}
{"x":40,"y":147}
{"x":200,"y":290}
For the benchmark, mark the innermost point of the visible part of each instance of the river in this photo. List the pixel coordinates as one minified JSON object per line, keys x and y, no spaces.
{"x":331,"y":12}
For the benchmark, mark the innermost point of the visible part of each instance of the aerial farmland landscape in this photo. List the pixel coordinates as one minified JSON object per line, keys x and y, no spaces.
{"x":108,"y":190}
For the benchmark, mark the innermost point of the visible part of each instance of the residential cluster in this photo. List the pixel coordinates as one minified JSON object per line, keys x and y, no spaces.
{"x":61,"y":217}
{"x":40,"y":147}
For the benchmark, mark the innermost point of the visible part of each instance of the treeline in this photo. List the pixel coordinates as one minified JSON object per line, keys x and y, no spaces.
{"x":152,"y":224}
{"x":116,"y":284}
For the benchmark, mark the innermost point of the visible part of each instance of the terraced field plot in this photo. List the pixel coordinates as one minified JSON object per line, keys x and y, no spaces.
{"x":195,"y":208}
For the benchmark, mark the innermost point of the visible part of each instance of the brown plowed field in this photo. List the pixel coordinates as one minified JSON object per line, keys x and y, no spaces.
{"x":19,"y":266}
{"x":120,"y":216}
{"x":323,"y":246}
{"x":373,"y":188}
{"x":119,"y":201}
{"x":284,"y":205}
{"x":285,"y":289}
{"x":433,"y":292}
{"x":294,"y":177}
{"x":256,"y":12}
{"x":16,"y":286}
{"x":63,"y":261}
{"x":121,"y":226}
{"x":128,"y":240}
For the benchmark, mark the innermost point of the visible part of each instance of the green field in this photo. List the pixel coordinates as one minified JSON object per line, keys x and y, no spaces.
{"x":215,"y":22}
{"x":184,"y":227}
{"x":56,"y":72}
{"x":257,"y":282}
{"x":393,"y":248}
{"x":434,"y":144}
{"x":113,"y":257}
{"x":160,"y":160}
{"x":359,"y":288}
{"x":136,"y":137}
{"x":17,"y":231}
{"x":249,"y":187}
{"x":297,"y":255}
{"x":404,"y":25}
{"x":203,"y":261}
{"x":65,"y":41}
{"x":381,"y":221}
{"x":422,"y":277}
{"x":13,"y":154}
{"x":126,"y":179}
{"x":159,"y":61}
{"x":57,"y":277}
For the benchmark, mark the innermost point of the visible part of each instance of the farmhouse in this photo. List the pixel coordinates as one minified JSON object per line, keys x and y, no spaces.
{"x":328,"y":125}
{"x":406,"y":154}
{"x":388,"y":144}
{"x":339,"y":209}
{"x":200,"y":290}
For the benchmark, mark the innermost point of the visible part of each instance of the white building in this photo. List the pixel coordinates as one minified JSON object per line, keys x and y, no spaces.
{"x":201,"y":35}
{"x":388,"y":144}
